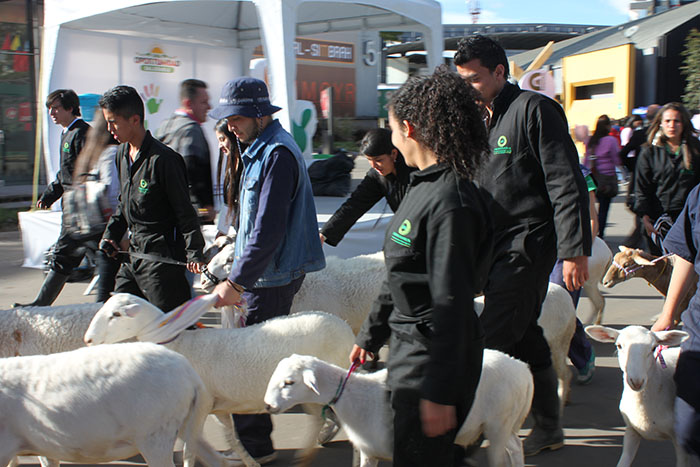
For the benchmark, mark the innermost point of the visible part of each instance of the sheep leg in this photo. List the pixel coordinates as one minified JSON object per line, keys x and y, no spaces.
{"x":232,"y":438}
{"x":46,"y":462}
{"x":514,"y":450}
{"x":157,"y":450}
{"x":563,"y":377}
{"x":597,"y":300}
{"x":367,"y":461}
{"x":306,"y":455}
{"x":496,"y":451}
{"x":8,"y":459}
{"x":630,"y":444}
{"x":682,"y":458}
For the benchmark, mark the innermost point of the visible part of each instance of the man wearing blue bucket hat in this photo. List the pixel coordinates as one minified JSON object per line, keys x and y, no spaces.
{"x":277,"y":240}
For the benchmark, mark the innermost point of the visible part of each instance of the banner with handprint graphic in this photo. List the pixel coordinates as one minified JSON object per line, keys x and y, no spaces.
{"x":157,"y":70}
{"x":151,"y":102}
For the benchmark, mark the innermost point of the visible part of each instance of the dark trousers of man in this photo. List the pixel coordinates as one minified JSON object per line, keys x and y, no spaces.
{"x":164,"y":285}
{"x":516,"y":288}
{"x":68,"y":252}
{"x":263,"y":304}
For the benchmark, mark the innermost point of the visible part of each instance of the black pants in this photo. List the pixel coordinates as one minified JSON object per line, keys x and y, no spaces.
{"x":263,"y":304}
{"x":516,"y":288}
{"x":164,"y":285}
{"x":411,"y":447}
{"x":69,"y":251}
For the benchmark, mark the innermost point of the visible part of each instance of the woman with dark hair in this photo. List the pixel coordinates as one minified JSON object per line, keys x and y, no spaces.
{"x":230,"y":164}
{"x":438,"y":252}
{"x":388,"y":178}
{"x":602,"y":156}
{"x":668,"y":167}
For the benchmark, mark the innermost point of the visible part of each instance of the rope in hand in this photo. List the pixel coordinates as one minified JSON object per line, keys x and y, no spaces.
{"x":341,"y":387}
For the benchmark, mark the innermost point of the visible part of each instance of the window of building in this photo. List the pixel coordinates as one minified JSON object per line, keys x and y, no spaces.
{"x":594,"y":91}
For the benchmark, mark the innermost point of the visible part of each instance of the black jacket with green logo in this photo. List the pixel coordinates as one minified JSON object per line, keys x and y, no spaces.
{"x":532,"y":173}
{"x":72,"y":142}
{"x":155,"y":204}
{"x":371,"y":189}
{"x":438,"y":253}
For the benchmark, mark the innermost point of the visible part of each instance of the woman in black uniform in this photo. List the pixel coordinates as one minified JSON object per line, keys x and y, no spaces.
{"x":438,"y":253}
{"x":388,"y":178}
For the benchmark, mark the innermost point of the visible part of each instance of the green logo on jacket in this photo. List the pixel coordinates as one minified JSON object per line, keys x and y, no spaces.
{"x":400,"y":236}
{"x":502,"y":148}
{"x":66,"y":147}
{"x":143,"y":186}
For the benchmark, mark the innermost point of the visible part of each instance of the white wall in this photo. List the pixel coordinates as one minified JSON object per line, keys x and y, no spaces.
{"x":94,"y":62}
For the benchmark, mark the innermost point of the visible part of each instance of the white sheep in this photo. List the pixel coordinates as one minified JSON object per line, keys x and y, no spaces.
{"x":345,"y":287}
{"x":235,"y":364}
{"x":501,"y":404}
{"x":44,"y":329}
{"x":598,"y":263}
{"x":648,"y":395}
{"x":103,"y":404}
{"x":558,"y":322}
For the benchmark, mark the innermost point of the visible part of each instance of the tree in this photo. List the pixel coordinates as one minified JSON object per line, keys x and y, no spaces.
{"x":691,"y":70}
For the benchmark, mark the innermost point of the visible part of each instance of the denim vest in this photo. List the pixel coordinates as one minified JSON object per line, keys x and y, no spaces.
{"x":300,"y":250}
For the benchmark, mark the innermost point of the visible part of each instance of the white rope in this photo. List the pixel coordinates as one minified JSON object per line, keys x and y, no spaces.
{"x":167,"y":327}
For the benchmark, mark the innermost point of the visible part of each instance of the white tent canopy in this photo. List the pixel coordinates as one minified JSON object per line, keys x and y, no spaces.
{"x":213,"y":25}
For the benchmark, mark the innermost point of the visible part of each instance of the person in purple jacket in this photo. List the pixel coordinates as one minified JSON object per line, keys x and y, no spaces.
{"x":602,"y":156}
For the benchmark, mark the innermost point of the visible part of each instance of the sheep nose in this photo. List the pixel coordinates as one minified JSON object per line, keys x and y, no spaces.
{"x":88,"y":341}
{"x":270,"y":409}
{"x":636,"y":384}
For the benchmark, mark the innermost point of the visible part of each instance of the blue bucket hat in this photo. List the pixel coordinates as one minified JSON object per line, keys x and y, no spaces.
{"x":244,"y":96}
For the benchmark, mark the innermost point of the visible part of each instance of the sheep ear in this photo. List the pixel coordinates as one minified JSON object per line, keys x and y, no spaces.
{"x":623,"y":248}
{"x":310,"y":381}
{"x":602,"y":333}
{"x":671,"y":338}
{"x":130,"y":310}
{"x":642,"y":261}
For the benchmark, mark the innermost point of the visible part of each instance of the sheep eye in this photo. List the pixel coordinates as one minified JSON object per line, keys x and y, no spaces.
{"x":288,"y":382}
{"x":115,"y":314}
{"x":619,"y":347}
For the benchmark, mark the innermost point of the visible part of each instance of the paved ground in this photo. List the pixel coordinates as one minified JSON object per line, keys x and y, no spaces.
{"x":593,"y":425}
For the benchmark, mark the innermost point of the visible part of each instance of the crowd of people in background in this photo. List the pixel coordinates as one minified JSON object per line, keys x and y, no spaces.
{"x":480,"y":206}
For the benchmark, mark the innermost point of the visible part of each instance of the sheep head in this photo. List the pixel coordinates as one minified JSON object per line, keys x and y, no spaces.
{"x":293,"y":382}
{"x":122,"y":317}
{"x":636,"y":349}
{"x":627,"y":259}
{"x":220,"y":266}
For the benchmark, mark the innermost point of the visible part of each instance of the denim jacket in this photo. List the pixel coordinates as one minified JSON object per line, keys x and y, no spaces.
{"x":300,"y":250}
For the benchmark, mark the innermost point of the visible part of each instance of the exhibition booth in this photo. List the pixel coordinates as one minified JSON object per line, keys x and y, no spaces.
{"x":92,"y":46}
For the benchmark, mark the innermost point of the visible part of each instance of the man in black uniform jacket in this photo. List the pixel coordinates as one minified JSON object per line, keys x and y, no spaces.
{"x":68,"y":252}
{"x":154,"y":206}
{"x":539,"y":204}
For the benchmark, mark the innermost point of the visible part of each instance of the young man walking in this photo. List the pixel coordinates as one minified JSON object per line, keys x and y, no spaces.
{"x":539,"y":205}
{"x":277,"y":241}
{"x":68,"y":252}
{"x":154,"y":209}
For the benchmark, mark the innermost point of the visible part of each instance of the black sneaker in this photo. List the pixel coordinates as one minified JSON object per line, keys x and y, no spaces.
{"x":538,"y":440}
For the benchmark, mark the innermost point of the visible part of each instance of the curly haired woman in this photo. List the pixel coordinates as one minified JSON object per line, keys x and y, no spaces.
{"x":437,"y":252}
